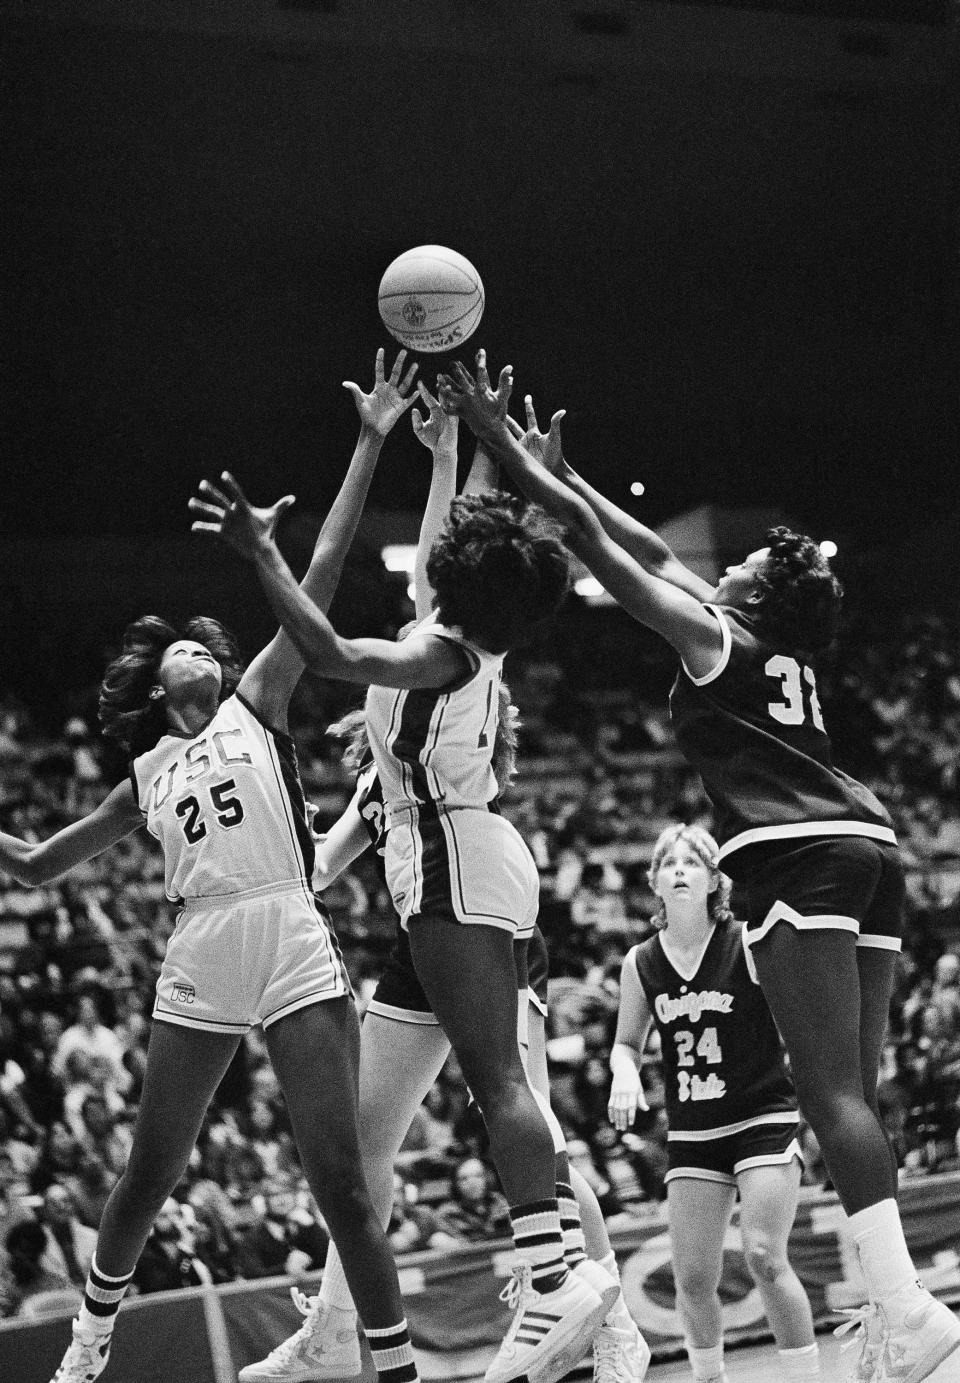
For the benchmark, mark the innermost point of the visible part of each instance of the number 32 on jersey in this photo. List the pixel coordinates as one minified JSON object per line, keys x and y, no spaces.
{"x":798,"y":690}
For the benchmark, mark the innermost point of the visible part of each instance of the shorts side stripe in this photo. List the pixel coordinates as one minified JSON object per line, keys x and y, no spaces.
{"x":317,"y":996}
{"x":880,"y":942}
{"x":700,"y":1174}
{"x":786,"y":1116}
{"x":200,"y":1024}
{"x":771,"y":1159}
{"x":418,"y":1017}
{"x":782,"y":912}
{"x":463,"y":912}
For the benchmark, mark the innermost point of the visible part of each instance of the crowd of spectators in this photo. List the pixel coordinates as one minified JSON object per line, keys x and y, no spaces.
{"x":599,"y":777}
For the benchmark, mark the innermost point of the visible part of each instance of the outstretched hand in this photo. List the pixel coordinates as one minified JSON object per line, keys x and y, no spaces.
{"x":545,"y":447}
{"x":389,"y":398}
{"x":439,"y":429}
{"x":471,"y":398}
{"x":229,"y":514}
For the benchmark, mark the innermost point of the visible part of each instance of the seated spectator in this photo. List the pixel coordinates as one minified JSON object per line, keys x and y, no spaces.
{"x":69,"y":1244}
{"x":475,"y":1210}
{"x":96,"y":1077}
{"x":88,"y":1034}
{"x":101,"y":1137}
{"x":264,"y":1249}
{"x":169,"y":1259}
{"x":413,"y":1226}
{"x":33,"y":1287}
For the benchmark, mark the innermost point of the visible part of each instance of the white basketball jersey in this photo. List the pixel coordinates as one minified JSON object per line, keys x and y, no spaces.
{"x":437,"y":746}
{"x":226,"y":806}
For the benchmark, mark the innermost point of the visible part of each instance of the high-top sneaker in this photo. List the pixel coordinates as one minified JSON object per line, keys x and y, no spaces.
{"x":550,"y":1331}
{"x":322,"y":1348}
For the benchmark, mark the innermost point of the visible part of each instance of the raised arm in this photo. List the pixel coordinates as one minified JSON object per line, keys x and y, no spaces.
{"x":636,"y":539}
{"x":672,"y":612}
{"x":439,"y":434}
{"x":269,"y":681}
{"x":633,"y":1025}
{"x":337,"y":848}
{"x":413,"y":664}
{"x":37,"y":863}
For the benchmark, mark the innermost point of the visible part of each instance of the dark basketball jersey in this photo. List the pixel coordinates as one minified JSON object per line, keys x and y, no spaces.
{"x":723,"y":1063}
{"x":370,"y":804}
{"x":754,"y":731}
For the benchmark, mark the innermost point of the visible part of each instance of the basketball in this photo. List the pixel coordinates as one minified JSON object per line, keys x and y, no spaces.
{"x":431,"y":299}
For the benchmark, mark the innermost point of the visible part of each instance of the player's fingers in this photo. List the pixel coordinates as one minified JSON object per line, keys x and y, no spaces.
{"x":211,"y":492}
{"x":232,"y":487}
{"x":556,"y":420}
{"x":530,"y":412}
{"x":378,"y":366}
{"x":210,"y":511}
{"x":282,"y":505}
{"x":505,"y":385}
{"x":416,"y":417}
{"x":483,"y":377}
{"x":408,"y":378}
{"x":355,"y":389}
{"x":426,"y":395}
{"x":462,"y":375}
{"x":397,"y":367}
{"x":198,"y":527}
{"x":514,"y":427}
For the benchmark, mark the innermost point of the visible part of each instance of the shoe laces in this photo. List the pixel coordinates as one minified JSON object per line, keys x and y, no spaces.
{"x":85,"y":1354}
{"x":867,"y":1321}
{"x":607,"y":1358}
{"x":518,"y":1293}
{"x":287,"y":1349}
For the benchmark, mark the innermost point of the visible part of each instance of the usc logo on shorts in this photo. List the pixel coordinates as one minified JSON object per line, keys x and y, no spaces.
{"x":183,"y":994}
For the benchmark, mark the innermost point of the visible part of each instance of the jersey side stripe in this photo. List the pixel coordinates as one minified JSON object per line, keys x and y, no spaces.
{"x":412,"y":736}
{"x":301,"y":851}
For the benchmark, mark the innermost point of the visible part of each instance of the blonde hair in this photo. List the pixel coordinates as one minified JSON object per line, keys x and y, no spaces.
{"x":704,"y":846}
{"x":353,"y":729}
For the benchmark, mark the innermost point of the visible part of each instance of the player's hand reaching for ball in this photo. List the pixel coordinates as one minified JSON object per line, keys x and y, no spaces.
{"x":626,"y":1097}
{"x":229,"y":514}
{"x":439,"y":430}
{"x":471,"y":398}
{"x":389,"y":398}
{"x":545,"y":447}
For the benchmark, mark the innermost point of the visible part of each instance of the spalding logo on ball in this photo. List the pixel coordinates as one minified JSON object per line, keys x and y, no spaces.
{"x":431,"y":299}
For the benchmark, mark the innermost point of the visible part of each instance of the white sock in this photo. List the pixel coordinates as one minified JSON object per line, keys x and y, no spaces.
{"x":884,"y":1256}
{"x":333,"y":1285}
{"x":801,"y":1363}
{"x":706,"y":1363}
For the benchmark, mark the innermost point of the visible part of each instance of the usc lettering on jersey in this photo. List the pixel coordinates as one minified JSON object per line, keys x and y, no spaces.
{"x":723,"y":1063}
{"x":226,"y":806}
{"x":437,"y":746}
{"x":754,"y":731}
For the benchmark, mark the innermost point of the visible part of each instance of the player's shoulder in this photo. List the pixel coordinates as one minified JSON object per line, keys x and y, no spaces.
{"x":643,"y":952}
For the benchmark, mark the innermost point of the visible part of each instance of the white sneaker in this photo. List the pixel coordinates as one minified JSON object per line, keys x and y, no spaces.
{"x":928,"y":1334}
{"x":550,"y":1331}
{"x":603,"y":1283}
{"x":86,"y":1358}
{"x":620,"y":1354}
{"x":318,"y":1350}
{"x":871,"y":1335}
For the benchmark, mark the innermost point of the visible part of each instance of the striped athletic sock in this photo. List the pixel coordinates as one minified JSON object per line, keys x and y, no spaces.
{"x":393,"y":1354}
{"x":539,"y":1242}
{"x":574,"y":1244}
{"x":101,"y":1299}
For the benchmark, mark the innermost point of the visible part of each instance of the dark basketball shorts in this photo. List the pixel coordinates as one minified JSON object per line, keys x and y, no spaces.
{"x":768,"y":1140}
{"x":399,"y":993}
{"x":843,"y":883}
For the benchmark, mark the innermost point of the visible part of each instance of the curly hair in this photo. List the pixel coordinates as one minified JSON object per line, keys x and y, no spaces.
{"x":356,"y":754}
{"x":499,"y":569}
{"x":800,"y":596}
{"x":127,"y":713}
{"x":704,"y":846}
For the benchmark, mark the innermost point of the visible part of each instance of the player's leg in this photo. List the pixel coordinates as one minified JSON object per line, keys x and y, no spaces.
{"x":184,"y":1067}
{"x":913,"y":1331}
{"x":469,"y":976}
{"x":621,"y":1354}
{"x":699,"y":1213}
{"x":399,"y":1063}
{"x":315,"y":1053}
{"x":768,"y":1204}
